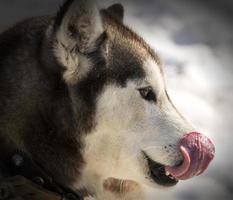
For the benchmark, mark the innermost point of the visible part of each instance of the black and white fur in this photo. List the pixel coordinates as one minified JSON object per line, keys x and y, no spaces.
{"x":70,"y":97}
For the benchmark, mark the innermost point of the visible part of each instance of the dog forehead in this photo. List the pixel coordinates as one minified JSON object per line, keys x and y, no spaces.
{"x":132,"y":57}
{"x":154,"y":76}
{"x":153,"y":70}
{"x":128,"y":52}
{"x":121,"y":36}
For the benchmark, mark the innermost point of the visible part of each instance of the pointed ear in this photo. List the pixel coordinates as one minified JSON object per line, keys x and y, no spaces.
{"x":78,"y":29}
{"x":117,"y":10}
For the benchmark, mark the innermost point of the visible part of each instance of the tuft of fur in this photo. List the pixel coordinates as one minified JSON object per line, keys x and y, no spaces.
{"x":77,"y":28}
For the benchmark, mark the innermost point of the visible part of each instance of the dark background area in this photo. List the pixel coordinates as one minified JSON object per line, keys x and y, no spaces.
{"x":195,"y":40}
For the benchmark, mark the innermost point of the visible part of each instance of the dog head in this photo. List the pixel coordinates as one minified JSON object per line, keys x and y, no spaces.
{"x":130,"y":128}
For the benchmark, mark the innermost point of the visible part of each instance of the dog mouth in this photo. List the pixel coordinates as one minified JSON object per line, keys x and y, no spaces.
{"x":197,"y":151}
{"x":158,"y":173}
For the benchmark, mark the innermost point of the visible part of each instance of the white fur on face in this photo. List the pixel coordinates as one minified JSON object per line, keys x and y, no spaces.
{"x":127,"y":125}
{"x":164,"y":125}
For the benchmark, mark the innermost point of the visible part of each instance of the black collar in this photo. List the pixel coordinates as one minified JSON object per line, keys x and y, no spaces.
{"x":19,"y":164}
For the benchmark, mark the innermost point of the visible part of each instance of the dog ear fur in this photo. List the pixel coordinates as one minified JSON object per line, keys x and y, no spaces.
{"x":78,"y":27}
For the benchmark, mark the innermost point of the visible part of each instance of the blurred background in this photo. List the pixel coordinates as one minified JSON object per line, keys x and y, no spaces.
{"x":195,"y":41}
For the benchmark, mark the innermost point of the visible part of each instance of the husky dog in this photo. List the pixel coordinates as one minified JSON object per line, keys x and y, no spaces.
{"x":84,"y":96}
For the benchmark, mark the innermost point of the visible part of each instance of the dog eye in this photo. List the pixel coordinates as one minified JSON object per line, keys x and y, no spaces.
{"x":147,"y":93}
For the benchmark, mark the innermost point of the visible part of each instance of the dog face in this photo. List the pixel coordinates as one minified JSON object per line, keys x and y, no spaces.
{"x":130,"y":128}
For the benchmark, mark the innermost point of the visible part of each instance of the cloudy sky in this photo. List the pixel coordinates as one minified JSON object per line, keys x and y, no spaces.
{"x":195,"y":41}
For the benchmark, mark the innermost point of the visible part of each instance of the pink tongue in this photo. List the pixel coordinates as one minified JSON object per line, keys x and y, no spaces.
{"x":197,"y":151}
